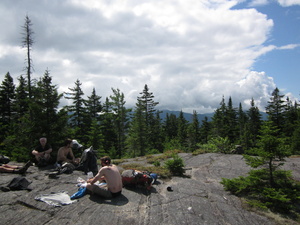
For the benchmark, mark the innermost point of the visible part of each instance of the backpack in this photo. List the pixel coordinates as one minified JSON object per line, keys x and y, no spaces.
{"x":19,"y":183}
{"x":88,"y":161}
{"x":135,"y":178}
{"x":4,"y":159}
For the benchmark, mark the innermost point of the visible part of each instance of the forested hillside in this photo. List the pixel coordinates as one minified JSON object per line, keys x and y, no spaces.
{"x":127,"y":132}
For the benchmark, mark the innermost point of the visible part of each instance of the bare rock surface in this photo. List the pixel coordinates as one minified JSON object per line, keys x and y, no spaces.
{"x":198,"y":198}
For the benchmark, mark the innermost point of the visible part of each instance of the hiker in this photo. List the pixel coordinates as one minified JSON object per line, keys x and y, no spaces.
{"x":42,"y":152}
{"x":112,"y":177}
{"x":5,"y":168}
{"x":65,"y":154}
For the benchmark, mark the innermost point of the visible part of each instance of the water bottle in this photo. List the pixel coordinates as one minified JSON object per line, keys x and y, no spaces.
{"x":90,"y":175}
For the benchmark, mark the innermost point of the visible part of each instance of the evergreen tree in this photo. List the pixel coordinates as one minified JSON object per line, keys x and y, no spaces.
{"x":120,"y":115}
{"x":242,"y":121}
{"x":93,"y":105}
{"x":7,"y":100}
{"x":108,"y":131}
{"x":231,"y":122}
{"x":170,"y":127}
{"x":182,"y":130}
{"x":27,"y":43}
{"x":290,"y":116}
{"x":270,"y":150}
{"x":276,"y":109}
{"x":137,"y":141}
{"x":77,"y":110}
{"x":21,"y":106}
{"x":143,"y":124}
{"x":205,"y":130}
{"x":45,"y":108}
{"x":147,"y":103}
{"x":194,"y":132}
{"x":253,"y":125}
{"x":219,"y":121}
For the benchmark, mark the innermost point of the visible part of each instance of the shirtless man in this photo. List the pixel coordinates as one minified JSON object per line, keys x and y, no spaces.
{"x":112,"y":177}
{"x":65,"y":154}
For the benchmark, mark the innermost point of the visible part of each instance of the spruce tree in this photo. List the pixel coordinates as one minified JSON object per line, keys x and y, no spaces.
{"x":107,"y":128}
{"x":193,"y":132}
{"x":77,"y":111}
{"x":182,"y":131}
{"x":254,"y":124}
{"x":45,"y":108}
{"x":7,"y":100}
{"x":21,"y":106}
{"x":276,"y":109}
{"x":205,"y":130}
{"x":120,"y":116}
{"x":27,"y":42}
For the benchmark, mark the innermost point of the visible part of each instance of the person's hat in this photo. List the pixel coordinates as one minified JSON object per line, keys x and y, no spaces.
{"x":74,"y":142}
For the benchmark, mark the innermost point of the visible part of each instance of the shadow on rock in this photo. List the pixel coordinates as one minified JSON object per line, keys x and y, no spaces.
{"x":117,"y":201}
{"x":141,"y":190}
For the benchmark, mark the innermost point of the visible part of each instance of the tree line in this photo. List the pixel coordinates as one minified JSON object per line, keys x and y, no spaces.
{"x":31,"y":109}
{"x":113,"y":129}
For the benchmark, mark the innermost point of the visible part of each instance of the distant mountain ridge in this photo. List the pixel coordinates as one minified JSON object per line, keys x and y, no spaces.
{"x":187,"y":116}
{"x":201,"y":117}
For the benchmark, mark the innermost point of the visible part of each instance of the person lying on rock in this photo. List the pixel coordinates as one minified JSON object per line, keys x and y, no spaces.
{"x":112,"y":177}
{"x":6,"y":168}
{"x":65,"y":154}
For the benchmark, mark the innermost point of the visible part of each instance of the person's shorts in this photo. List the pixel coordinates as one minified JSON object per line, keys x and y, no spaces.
{"x":101,"y":190}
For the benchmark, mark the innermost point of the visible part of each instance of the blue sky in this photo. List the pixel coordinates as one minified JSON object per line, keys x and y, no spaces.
{"x":282,"y":65}
{"x":190,"y":53}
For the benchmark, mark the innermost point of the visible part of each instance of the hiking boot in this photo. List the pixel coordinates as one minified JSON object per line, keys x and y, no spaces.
{"x":24,"y":168}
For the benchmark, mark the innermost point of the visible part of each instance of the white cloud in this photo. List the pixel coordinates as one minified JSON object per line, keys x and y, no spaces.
{"x":286,"y":3}
{"x":189,"y":53}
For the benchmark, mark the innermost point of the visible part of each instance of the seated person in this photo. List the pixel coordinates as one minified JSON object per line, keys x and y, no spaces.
{"x":112,"y":177}
{"x":42,"y":152}
{"x":5,"y":168}
{"x":65,"y":154}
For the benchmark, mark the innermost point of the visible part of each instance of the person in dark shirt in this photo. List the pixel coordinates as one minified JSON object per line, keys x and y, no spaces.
{"x":42,"y":151}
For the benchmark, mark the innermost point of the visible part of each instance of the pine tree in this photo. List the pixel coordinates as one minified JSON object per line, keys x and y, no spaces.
{"x":194,"y":132}
{"x":219,"y":121}
{"x":276,"y":109}
{"x":231,"y":122}
{"x":147,"y":103}
{"x":108,"y":131}
{"x":21,"y":106}
{"x":143,"y":121}
{"x":93,"y":104}
{"x":253,"y":125}
{"x":7,"y":100}
{"x":182,"y":130}
{"x":242,"y":121}
{"x":170,"y":127}
{"x":290,"y":116}
{"x":45,"y":108}
{"x":120,"y":115}
{"x":205,"y":129}
{"x":137,"y":140}
{"x":27,"y":43}
{"x":271,"y":149}
{"x":77,"y":110}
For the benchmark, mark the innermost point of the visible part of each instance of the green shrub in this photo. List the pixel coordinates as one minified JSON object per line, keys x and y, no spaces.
{"x":156,"y":163}
{"x":282,"y":198}
{"x":175,"y":165}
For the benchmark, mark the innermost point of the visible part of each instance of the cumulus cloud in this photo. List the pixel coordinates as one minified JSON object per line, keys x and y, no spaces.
{"x":287,"y":3}
{"x":189,"y":53}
